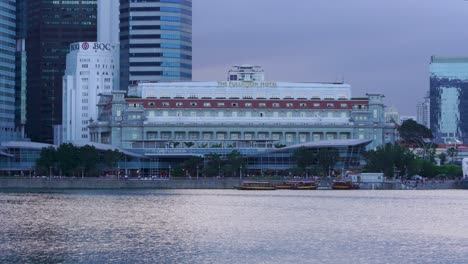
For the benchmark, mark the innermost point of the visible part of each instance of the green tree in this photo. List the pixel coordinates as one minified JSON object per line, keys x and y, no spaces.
{"x":193,"y":165}
{"x":411,"y":132}
{"x":178,"y":172}
{"x":327,"y":158}
{"x":390,"y":157}
{"x":443,"y":158}
{"x":68,"y":158}
{"x":452,"y":152}
{"x":112,"y":157}
{"x":234,"y":162}
{"x":417,"y":136}
{"x":304,"y":157}
{"x":46,"y":160}
{"x":88,"y":159}
{"x":213,"y":165}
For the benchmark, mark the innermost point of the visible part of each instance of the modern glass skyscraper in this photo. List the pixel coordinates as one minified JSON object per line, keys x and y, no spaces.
{"x":449,"y":98}
{"x":7,"y":69}
{"x":20,"y":75}
{"x":155,"y":41}
{"x":51,"y":27}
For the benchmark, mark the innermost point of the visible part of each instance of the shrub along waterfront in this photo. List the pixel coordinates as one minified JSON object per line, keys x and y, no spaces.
{"x":69,"y":160}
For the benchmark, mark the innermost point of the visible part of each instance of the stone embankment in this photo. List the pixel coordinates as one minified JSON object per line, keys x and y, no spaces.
{"x":103,"y":183}
{"x":202,"y":183}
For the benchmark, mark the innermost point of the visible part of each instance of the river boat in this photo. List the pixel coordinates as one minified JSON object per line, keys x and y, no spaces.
{"x":262,"y":186}
{"x":344,"y":185}
{"x":297,"y":185}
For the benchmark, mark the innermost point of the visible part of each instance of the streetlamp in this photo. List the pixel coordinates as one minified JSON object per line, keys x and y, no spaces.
{"x":240,"y":173}
{"x":197,"y":172}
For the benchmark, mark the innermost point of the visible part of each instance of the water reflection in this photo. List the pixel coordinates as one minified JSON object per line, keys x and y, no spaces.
{"x":227,"y":226}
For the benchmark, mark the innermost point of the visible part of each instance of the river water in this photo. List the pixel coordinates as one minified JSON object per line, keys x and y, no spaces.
{"x":230,"y":226}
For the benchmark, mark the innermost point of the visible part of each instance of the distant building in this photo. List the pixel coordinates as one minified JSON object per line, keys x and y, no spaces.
{"x":246,"y":73}
{"x":8,"y":128}
{"x":264,"y":121}
{"x":108,"y":21}
{"x":449,"y":98}
{"x":90,"y":70}
{"x":229,"y":113}
{"x":423,"y":111}
{"x":51,"y":27}
{"x":20,"y":69}
{"x":392,"y":115}
{"x":155,"y":41}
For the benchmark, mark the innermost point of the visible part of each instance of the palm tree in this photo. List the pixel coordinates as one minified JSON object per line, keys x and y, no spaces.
{"x":452,"y":152}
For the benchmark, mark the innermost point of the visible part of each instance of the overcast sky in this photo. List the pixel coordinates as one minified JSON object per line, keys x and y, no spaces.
{"x":377,"y":46}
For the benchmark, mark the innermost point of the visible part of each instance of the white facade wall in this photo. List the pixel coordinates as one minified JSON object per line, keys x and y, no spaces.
{"x":91,"y":69}
{"x":256,"y":90}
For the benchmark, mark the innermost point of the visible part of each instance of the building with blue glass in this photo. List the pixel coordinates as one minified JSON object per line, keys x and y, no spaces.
{"x":449,"y":99}
{"x":155,"y":41}
{"x":7,"y":70}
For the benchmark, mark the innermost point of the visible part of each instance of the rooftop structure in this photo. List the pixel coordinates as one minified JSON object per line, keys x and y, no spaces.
{"x":246,"y":73}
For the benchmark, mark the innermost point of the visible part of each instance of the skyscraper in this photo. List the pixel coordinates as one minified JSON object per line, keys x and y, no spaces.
{"x":155,"y":41}
{"x":108,"y":21}
{"x":7,"y":69}
{"x":51,"y":27}
{"x":20,"y":74}
{"x":423,"y":111}
{"x":90,"y":71}
{"x":449,"y":98}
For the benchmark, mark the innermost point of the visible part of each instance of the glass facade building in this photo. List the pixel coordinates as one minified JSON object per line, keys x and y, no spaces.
{"x":449,"y":99}
{"x":155,"y":41}
{"x":51,"y":27}
{"x":7,"y":69}
{"x":20,"y":75}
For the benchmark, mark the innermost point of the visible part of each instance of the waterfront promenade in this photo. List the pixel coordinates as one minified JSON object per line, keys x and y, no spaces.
{"x":176,"y":183}
{"x":114,"y":183}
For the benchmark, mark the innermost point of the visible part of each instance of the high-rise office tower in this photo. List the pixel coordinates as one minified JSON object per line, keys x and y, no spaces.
{"x":7,"y":69}
{"x":51,"y":27}
{"x":449,"y":98}
{"x":90,"y":71}
{"x":423,"y":111}
{"x":155,"y":41}
{"x":20,"y":74}
{"x":108,"y":21}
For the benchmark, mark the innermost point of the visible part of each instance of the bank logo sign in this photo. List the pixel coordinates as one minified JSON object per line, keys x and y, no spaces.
{"x":91,"y":45}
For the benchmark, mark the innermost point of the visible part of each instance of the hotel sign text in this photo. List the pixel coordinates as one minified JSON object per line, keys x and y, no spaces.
{"x":247,"y":84}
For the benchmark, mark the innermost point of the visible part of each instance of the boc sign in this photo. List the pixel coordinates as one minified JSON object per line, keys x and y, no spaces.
{"x":91,"y":45}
